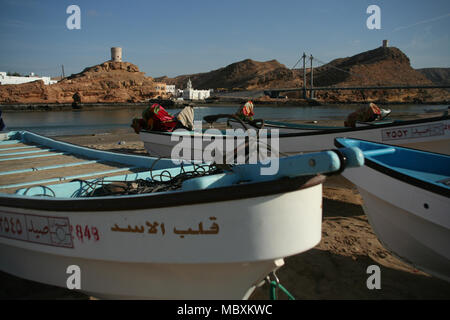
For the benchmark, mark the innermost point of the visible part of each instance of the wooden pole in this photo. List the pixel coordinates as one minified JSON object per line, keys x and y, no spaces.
{"x":312,"y":78}
{"x":304,"y":75}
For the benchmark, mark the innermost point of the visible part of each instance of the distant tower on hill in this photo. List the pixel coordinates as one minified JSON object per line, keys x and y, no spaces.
{"x":116,"y":54}
{"x":385,"y":43}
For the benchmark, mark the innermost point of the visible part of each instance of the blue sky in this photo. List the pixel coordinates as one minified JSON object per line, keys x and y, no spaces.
{"x":180,"y":37}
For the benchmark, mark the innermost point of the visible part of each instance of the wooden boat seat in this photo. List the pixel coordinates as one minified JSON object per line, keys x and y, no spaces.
{"x":26,"y":164}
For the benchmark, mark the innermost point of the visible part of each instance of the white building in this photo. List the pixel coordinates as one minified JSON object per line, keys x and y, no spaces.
{"x":5,"y":79}
{"x":191,"y":94}
{"x":170,"y":88}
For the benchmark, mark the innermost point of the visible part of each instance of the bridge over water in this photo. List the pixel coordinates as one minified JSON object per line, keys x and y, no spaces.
{"x":274,"y":93}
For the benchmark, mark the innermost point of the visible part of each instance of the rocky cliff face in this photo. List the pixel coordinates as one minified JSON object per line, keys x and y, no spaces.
{"x":23,"y":93}
{"x":106,"y":82}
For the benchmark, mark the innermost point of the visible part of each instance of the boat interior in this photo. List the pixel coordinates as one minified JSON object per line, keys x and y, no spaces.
{"x":30,"y":168}
{"x":429,"y":167}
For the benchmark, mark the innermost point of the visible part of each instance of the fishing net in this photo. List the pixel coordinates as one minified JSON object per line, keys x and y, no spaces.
{"x":161,"y":182}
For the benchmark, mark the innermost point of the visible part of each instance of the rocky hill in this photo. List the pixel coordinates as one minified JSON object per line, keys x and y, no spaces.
{"x":246,"y":75}
{"x":439,"y":76}
{"x":105,"y":83}
{"x":379,"y":67}
{"x":111,"y":82}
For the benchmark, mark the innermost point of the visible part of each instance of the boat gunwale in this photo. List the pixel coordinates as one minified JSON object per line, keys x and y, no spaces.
{"x":94,"y":153}
{"x":409,"y":179}
{"x":166,"y":199}
{"x":327,"y":131}
{"x":153,"y":200}
{"x":273,"y":124}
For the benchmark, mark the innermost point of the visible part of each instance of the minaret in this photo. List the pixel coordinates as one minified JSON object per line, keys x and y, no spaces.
{"x":189,"y":84}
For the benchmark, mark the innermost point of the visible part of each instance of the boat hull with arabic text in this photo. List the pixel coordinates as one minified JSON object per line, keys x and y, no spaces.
{"x":216,"y":238}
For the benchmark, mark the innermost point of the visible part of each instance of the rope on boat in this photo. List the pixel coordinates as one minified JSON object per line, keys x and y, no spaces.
{"x":156,"y":183}
{"x":44,"y":189}
{"x":275,"y":285}
{"x":164,"y":181}
{"x":273,"y":291}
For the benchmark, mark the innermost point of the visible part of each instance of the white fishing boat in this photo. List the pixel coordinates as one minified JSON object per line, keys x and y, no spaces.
{"x":281,"y":126}
{"x":207,"y":234}
{"x":429,"y":134}
{"x":406,"y":196}
{"x":287,"y":127}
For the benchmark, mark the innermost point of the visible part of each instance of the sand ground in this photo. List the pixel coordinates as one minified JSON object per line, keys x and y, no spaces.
{"x":334,"y":269}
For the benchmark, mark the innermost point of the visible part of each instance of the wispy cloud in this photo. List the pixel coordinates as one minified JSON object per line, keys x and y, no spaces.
{"x":92,"y":13}
{"x":422,"y":22}
{"x":14,"y":23}
{"x":7,"y":25}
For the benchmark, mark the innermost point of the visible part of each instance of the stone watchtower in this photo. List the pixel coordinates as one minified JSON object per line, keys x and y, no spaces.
{"x":116,"y":54}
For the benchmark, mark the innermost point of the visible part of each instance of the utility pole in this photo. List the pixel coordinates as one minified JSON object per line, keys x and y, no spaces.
{"x":62,"y":66}
{"x":304,"y":75}
{"x":312,"y":76}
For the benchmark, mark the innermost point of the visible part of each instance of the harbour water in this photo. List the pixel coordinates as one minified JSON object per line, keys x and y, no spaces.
{"x":59,"y":123}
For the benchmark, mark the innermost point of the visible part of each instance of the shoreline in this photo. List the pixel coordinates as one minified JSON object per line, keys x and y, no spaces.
{"x":41,"y":107}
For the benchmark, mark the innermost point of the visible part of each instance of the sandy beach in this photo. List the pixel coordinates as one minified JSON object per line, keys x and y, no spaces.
{"x":334,"y":269}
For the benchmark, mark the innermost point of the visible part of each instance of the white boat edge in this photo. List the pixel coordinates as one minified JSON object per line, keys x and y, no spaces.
{"x":227,"y":265}
{"x":253,"y":233}
{"x":411,"y":221}
{"x":429,"y":134}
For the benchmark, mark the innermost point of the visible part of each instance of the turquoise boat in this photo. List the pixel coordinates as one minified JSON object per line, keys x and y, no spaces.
{"x":406,"y":195}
